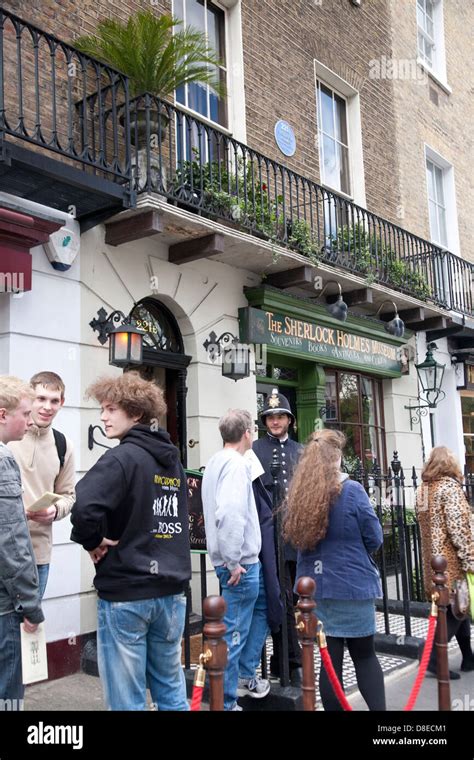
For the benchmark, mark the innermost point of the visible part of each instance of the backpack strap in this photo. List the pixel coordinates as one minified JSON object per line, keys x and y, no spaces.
{"x":61,"y":446}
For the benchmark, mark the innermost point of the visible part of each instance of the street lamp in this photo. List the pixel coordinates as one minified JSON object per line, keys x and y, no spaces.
{"x":125,"y":341}
{"x":235,"y":355}
{"x":430,"y":374}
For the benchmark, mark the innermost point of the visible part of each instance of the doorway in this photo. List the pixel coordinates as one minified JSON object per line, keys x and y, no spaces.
{"x":165,"y":363}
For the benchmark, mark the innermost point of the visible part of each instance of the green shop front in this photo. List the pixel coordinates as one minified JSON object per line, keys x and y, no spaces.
{"x":332,"y":372}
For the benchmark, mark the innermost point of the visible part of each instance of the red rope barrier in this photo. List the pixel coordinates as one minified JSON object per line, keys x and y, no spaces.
{"x":197,"y":698}
{"x":423,"y":664}
{"x":337,"y":688}
{"x":326,"y":660}
{"x":198,"y":687}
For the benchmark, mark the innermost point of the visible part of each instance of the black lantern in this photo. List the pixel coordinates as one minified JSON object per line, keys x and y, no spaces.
{"x":125,"y":346}
{"x":235,"y":356}
{"x":430,"y":374}
{"x":235,"y":361}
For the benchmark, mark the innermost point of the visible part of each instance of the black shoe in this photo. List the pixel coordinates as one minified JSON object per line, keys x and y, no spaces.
{"x":296,"y":676}
{"x":467,"y":664}
{"x":452,"y":675}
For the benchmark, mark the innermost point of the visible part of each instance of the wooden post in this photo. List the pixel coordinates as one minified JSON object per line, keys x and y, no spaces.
{"x":215,"y":648}
{"x":306,"y":628}
{"x":438,"y":563}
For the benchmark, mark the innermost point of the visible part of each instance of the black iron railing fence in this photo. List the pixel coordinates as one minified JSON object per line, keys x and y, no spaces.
{"x":399,"y":560}
{"x":57,"y":99}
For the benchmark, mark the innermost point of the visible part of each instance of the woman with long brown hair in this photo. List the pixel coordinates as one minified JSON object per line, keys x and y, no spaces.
{"x":332,"y":523}
{"x":444,"y":517}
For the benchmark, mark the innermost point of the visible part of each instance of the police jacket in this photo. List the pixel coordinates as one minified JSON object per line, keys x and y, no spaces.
{"x":19,"y":590}
{"x":289,"y":452}
{"x":136,"y":494}
{"x":341,"y":564}
{"x":268,"y":555}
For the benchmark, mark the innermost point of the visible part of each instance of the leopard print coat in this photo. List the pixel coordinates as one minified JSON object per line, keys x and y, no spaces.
{"x":444,"y":517}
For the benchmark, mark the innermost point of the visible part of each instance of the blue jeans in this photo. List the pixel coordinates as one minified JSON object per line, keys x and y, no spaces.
{"x":43,"y":572}
{"x":252,"y":652}
{"x":139,"y":645}
{"x":240,"y":601}
{"x":11,"y":686}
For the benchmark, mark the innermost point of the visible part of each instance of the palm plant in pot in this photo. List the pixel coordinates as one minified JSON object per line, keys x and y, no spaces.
{"x":156,"y":57}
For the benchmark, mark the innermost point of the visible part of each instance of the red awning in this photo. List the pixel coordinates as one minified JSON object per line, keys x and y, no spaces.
{"x":18,"y":234}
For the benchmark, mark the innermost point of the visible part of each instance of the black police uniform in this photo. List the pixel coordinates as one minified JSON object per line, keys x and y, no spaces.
{"x":289,"y":452}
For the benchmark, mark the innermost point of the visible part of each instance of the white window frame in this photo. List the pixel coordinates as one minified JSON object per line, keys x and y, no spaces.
{"x":449,"y":191}
{"x":443,"y":272}
{"x":236,"y":121}
{"x":354,"y":132}
{"x":437,"y":69}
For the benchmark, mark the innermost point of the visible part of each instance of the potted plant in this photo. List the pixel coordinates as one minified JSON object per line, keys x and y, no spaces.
{"x":156,"y":57}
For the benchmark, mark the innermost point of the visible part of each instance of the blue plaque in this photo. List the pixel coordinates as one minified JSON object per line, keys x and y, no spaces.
{"x":285,"y":138}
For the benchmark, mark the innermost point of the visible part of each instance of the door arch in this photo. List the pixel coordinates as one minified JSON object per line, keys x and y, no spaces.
{"x":165,"y":362}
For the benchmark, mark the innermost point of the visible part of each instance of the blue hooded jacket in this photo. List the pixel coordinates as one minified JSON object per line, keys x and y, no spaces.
{"x":341,"y":564}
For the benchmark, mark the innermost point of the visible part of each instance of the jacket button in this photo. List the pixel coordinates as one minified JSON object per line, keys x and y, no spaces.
{"x":285,"y":481}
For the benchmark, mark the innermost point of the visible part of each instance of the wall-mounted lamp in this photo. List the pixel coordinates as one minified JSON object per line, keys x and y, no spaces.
{"x":430,"y":374}
{"x":125,"y":341}
{"x":339,"y":308}
{"x":235,"y":356}
{"x":396,"y":326}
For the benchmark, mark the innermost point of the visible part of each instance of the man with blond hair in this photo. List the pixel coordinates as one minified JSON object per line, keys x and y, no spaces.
{"x":46,"y":461}
{"x":19,"y":593}
{"x":131,"y":515}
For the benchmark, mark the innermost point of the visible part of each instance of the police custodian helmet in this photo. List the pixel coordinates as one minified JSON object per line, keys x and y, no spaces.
{"x":277,"y":403}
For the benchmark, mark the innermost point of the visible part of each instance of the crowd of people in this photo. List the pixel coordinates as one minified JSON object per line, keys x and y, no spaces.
{"x":130,"y":513}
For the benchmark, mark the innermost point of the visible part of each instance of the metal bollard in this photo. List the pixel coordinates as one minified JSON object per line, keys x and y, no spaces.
{"x":439,"y":564}
{"x":215,"y":648}
{"x":307,"y":628}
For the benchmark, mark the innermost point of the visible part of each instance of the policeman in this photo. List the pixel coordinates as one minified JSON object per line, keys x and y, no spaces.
{"x":278,"y":418}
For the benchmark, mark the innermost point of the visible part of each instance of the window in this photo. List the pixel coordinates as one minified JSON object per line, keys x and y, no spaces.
{"x":430,"y":33}
{"x":441,"y":194}
{"x":354,"y":406}
{"x":341,"y":158}
{"x":436,"y":203}
{"x":208,"y":18}
{"x":426,"y":42}
{"x":333,"y":139}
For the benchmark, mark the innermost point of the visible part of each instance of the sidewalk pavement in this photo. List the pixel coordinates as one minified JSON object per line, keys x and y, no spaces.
{"x":83,"y":692}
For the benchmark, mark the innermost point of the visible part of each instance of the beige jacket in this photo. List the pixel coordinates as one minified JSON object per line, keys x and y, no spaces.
{"x":38,"y":460}
{"x":444,"y":517}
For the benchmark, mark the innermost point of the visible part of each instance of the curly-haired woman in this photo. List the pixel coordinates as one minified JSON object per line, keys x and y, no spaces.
{"x":444,"y":517}
{"x":332,"y":523}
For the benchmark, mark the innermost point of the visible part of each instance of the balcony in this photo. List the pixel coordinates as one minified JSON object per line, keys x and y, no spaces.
{"x":50,"y":151}
{"x":72,"y":139}
{"x":253,"y":212}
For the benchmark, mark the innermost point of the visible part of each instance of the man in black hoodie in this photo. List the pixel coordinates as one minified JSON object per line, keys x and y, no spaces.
{"x":131,"y":516}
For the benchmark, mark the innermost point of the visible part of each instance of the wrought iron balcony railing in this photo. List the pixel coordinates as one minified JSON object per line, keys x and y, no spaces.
{"x":58,"y":100}
{"x":200,"y":167}
{"x":46,"y":87}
